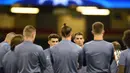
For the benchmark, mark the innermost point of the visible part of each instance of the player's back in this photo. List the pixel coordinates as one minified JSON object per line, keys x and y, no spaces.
{"x":30,"y":57}
{"x":65,"y":56}
{"x":98,"y":56}
{"x":4,"y":48}
{"x":9,"y":62}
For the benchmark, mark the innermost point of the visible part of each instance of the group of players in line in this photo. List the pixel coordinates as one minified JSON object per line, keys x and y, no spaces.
{"x":18,"y":53}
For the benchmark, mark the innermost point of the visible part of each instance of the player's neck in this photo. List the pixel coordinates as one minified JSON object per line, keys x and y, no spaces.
{"x":7,"y":41}
{"x":81,"y":46}
{"x":67,"y":38}
{"x":28,"y":39}
{"x":98,"y":37}
{"x":50,"y":46}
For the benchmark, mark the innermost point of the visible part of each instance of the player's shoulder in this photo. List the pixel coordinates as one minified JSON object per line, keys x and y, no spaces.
{"x":89,"y":42}
{"x":38,"y":47}
{"x":107,"y":42}
{"x":77,"y":47}
{"x":4,"y":44}
{"x":125,"y":51}
{"x":46,"y":50}
{"x":19,"y":45}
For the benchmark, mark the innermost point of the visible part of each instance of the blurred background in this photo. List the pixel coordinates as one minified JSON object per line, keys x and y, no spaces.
{"x":49,"y":15}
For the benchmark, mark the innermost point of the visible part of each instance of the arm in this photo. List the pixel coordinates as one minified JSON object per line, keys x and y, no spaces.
{"x":122,"y":61}
{"x":84,"y":57}
{"x":113,"y":56}
{"x":51,"y":57}
{"x":42,"y":60}
{"x":80,"y":59}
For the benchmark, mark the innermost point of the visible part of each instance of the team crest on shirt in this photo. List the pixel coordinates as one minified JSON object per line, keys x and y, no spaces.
{"x":47,"y":57}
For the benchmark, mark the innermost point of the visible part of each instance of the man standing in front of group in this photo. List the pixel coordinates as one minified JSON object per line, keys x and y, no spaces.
{"x":78,"y":39}
{"x":98,"y":53}
{"x":53,"y":39}
{"x":66,"y":56}
{"x":31,"y":58}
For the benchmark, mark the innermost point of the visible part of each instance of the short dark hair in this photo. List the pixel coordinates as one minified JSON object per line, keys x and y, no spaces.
{"x":66,"y":30}
{"x":78,"y":33}
{"x":116,"y":45}
{"x":53,"y":36}
{"x":28,"y":30}
{"x":126,"y":38}
{"x":16,"y":40}
{"x":98,"y":27}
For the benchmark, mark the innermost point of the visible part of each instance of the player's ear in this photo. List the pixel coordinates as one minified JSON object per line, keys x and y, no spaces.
{"x":92,"y":32}
{"x":49,"y":42}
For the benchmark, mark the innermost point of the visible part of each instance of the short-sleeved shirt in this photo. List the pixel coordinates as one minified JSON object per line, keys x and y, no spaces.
{"x":10,"y":62}
{"x":31,"y":58}
{"x":125,"y":60}
{"x":98,"y":56}
{"x":66,"y":57}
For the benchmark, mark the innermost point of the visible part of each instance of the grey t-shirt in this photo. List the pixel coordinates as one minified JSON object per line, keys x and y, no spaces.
{"x":98,"y":56}
{"x":66,"y":57}
{"x":31,"y":58}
